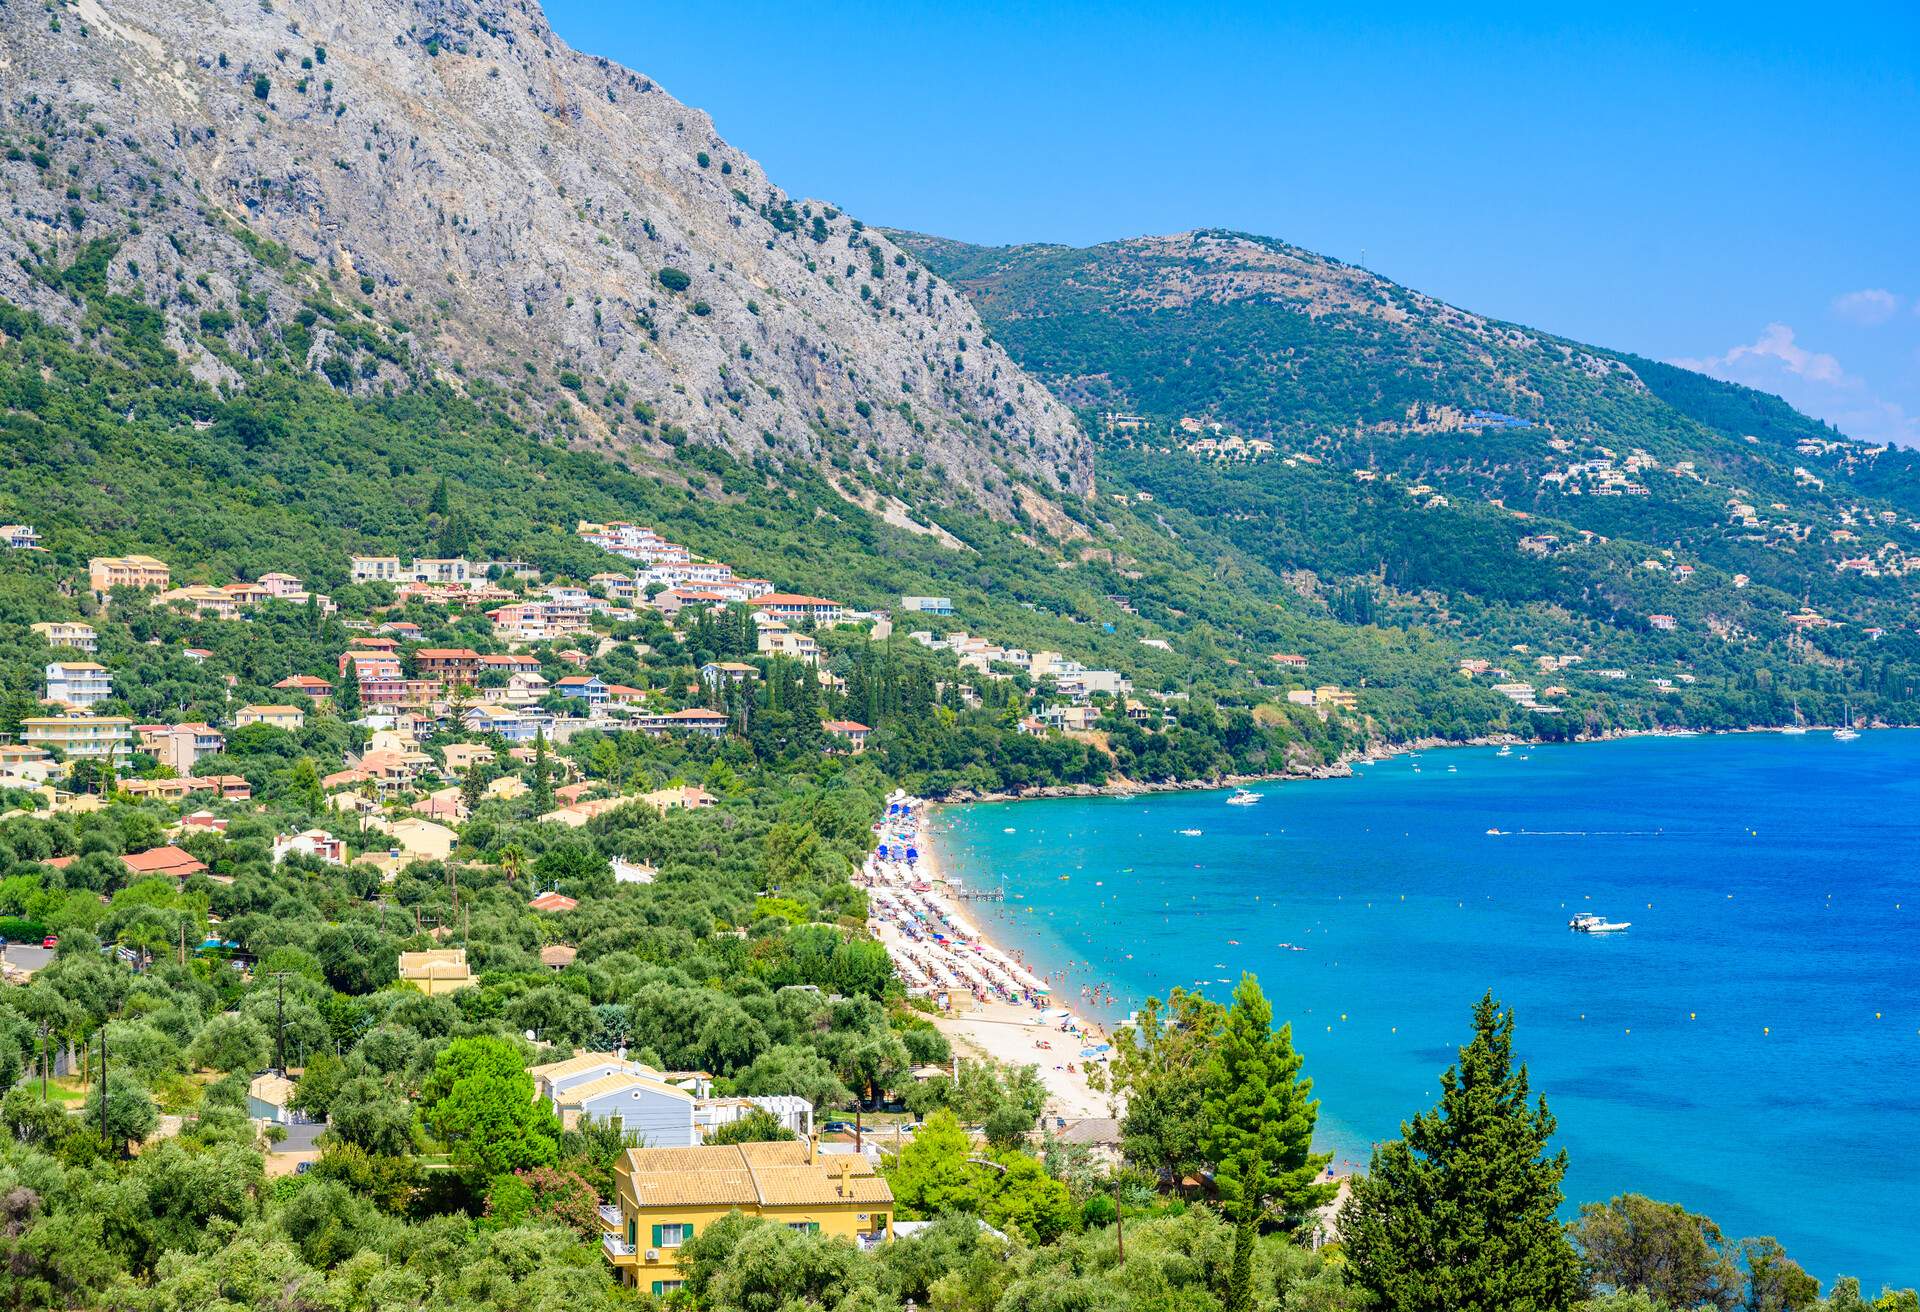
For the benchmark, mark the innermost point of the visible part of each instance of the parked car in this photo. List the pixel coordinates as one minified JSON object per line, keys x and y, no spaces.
{"x":50,"y":941}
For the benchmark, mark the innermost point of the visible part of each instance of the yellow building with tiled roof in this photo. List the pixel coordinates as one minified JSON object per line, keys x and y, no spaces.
{"x":665,"y":1196}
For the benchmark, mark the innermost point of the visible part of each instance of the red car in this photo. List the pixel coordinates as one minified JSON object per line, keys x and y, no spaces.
{"x":50,"y":941}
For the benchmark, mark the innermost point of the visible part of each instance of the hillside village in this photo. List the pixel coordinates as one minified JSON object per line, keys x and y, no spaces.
{"x":429,"y":719}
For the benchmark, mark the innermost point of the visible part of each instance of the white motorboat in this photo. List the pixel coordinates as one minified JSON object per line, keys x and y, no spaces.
{"x":1191,"y":833}
{"x":1588,"y":923}
{"x":1243,"y":797}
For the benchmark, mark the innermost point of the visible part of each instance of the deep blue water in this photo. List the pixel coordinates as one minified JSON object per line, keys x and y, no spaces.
{"x":1750,"y":1048}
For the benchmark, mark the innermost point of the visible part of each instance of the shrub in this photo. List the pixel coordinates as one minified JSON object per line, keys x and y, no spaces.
{"x":674,"y":280}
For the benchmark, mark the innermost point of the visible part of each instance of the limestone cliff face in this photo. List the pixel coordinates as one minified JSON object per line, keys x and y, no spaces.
{"x":386,"y":188}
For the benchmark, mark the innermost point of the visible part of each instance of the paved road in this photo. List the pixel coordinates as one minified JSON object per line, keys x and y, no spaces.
{"x":27,"y":958}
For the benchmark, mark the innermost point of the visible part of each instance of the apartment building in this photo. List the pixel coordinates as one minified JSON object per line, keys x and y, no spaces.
{"x":81,"y":737}
{"x":104,"y":573}
{"x":68,"y":633}
{"x":79,"y":684}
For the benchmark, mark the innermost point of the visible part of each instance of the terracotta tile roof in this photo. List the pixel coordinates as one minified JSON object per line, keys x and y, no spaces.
{"x":553,"y":902}
{"x":763,"y":1174}
{"x":162,"y":861}
{"x":790,"y":599}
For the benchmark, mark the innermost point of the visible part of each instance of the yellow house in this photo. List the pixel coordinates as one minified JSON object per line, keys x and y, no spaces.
{"x":101,"y":737}
{"x":280,"y":717}
{"x":436,"y":971}
{"x":665,"y":1196}
{"x":107,"y":572}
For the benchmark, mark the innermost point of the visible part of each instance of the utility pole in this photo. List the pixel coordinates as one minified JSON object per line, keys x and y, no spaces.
{"x":46,"y":1058}
{"x":1119,"y":1227}
{"x":280,"y":1021}
{"x":103,"y":1085}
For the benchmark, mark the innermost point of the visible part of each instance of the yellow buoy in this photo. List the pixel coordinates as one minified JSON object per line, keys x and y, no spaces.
{"x":1766,"y":1029}
{"x":1692,"y":1016}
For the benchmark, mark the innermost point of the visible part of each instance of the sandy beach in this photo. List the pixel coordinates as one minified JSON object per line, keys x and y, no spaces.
{"x":995,"y":1007}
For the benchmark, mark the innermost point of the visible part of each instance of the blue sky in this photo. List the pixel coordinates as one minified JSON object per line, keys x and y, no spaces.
{"x":1732,"y":187}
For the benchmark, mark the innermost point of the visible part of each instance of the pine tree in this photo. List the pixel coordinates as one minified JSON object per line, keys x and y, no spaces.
{"x":542,"y":779}
{"x":1259,"y":1119}
{"x":305,"y":786}
{"x":1458,"y":1213}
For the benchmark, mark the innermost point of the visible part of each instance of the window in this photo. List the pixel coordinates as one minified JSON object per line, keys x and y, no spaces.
{"x":661,"y":1287}
{"x":672,"y":1235}
{"x":805,"y":1227}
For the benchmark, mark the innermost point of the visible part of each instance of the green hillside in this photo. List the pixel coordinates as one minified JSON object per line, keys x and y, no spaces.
{"x":1489,"y":481}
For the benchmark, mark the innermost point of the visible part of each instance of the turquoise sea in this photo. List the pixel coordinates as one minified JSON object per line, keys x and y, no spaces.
{"x":1750,"y":1048}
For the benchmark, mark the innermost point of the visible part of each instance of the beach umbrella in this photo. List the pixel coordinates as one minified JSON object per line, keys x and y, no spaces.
{"x":883,"y":851}
{"x":913,"y":854}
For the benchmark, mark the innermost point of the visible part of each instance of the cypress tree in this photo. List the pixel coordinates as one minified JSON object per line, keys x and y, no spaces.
{"x":1259,"y":1131}
{"x":1458,"y":1213}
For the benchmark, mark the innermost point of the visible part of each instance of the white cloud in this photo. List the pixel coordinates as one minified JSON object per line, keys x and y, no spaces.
{"x":1869,"y":307}
{"x":1814,"y":382}
{"x":1776,"y":349}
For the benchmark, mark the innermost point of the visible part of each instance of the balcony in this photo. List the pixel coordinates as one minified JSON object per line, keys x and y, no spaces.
{"x":616,"y":1246}
{"x":610,"y":1215}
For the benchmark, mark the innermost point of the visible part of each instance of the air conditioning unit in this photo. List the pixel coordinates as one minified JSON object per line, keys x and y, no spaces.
{"x":653,"y":1255}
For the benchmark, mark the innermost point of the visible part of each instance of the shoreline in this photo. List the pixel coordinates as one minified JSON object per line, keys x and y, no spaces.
{"x":1000,"y":1008}
{"x":1342,"y":768}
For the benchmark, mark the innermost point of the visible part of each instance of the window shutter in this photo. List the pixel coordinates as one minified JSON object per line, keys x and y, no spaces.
{"x":686,"y":1232}
{"x":633,"y":1232}
{"x":813,"y":1227}
{"x":657,"y":1291}
{"x":656,"y":1236}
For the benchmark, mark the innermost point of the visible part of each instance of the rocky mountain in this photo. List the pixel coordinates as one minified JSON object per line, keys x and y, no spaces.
{"x":1410,"y":461}
{"x":384,"y":190}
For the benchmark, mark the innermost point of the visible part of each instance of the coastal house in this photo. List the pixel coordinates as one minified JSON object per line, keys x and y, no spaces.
{"x":553,"y":901}
{"x":179,"y":747}
{"x":79,"y":684}
{"x":588,"y":688}
{"x":665,"y":1196}
{"x":450,"y":667}
{"x":696,"y":720}
{"x":315,"y":689}
{"x":415,"y":839}
{"x":785,"y":642}
{"x":461,"y":757}
{"x":170,"y":861}
{"x":280,"y":717}
{"x":928,"y":605}
{"x":25,"y":767}
{"x":68,"y":633}
{"x":795,"y":608}
{"x":81,"y":737}
{"x":105,"y":573}
{"x":206,"y":602}
{"x":512,"y":725}
{"x":715,"y":673}
{"x":19,"y":537}
{"x":687,"y":797}
{"x":526,"y":686}
{"x":315,"y":843}
{"x":851,"y":732}
{"x":436,"y":971}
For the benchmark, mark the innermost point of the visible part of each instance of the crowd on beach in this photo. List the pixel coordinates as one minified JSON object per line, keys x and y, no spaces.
{"x":913,"y":911}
